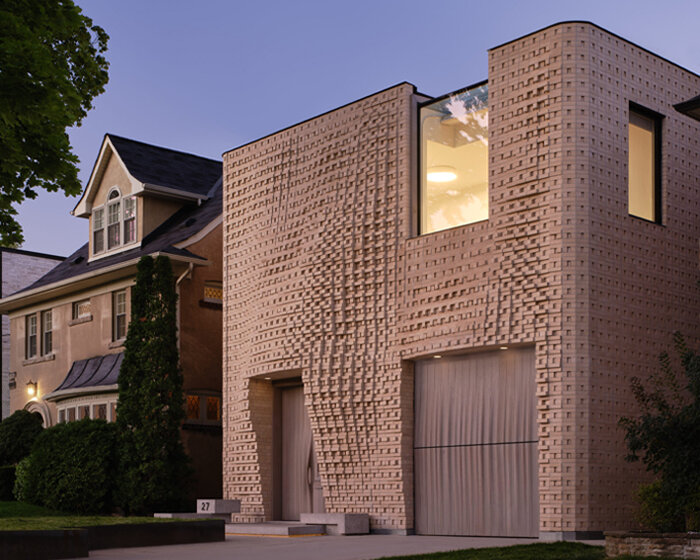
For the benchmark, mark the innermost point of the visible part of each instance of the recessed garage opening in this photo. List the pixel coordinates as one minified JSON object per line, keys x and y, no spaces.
{"x":475,"y":446}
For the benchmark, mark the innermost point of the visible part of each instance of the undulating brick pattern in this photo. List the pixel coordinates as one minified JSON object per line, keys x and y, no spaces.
{"x":326,"y":278}
{"x":315,"y":217}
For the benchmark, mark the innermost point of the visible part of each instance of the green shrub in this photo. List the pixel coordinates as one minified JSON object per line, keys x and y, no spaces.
{"x":71,"y":468}
{"x":7,"y":482}
{"x":658,"y":511}
{"x":17,"y":435}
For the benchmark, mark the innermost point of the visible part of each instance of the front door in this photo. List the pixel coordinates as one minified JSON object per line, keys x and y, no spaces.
{"x":301,"y":490}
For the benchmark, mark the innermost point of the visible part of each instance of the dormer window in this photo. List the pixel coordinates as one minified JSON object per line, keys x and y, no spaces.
{"x":121,"y":222}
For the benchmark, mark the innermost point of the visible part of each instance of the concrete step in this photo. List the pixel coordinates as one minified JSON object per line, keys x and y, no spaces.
{"x":275,"y":529}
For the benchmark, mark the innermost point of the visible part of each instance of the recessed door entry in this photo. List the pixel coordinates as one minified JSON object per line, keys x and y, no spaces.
{"x":301,"y":490}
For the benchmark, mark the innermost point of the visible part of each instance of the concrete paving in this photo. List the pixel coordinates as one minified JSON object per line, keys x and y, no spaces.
{"x":360,"y":547}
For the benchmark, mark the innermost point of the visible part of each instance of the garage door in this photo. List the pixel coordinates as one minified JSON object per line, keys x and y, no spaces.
{"x":475,"y":445}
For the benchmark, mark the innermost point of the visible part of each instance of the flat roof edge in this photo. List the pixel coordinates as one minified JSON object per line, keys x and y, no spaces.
{"x":320,"y":115}
{"x":574,"y":21}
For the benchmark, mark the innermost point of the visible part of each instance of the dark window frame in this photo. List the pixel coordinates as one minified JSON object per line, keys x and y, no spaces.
{"x":657,"y":119}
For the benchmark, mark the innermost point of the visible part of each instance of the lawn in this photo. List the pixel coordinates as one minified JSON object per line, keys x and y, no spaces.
{"x":538,"y":551}
{"x":17,"y":516}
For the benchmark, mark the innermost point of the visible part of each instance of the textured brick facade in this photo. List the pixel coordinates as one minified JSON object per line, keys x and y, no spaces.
{"x":326,"y":278}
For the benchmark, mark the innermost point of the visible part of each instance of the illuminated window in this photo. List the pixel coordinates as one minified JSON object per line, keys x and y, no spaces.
{"x":99,"y":412}
{"x":644,"y":154}
{"x":118,"y":315}
{"x":83,"y":412}
{"x":213,"y":292}
{"x":454,"y":187}
{"x":203,"y":407}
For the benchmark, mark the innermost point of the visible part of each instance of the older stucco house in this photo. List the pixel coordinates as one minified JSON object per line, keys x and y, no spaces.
{"x":433,"y":307}
{"x":68,"y":327}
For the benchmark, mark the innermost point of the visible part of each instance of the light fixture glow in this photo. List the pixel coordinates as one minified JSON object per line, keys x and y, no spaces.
{"x":31,"y":388}
{"x":442,"y":174}
{"x":437,"y":356}
{"x":504,"y":348}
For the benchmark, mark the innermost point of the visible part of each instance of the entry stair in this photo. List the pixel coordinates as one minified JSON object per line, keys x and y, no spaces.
{"x":310,"y":524}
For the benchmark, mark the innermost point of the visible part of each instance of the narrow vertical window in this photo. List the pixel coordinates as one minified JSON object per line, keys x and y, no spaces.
{"x":118,"y":315}
{"x":129,"y":220}
{"x":644,"y":165}
{"x":98,"y":231}
{"x":30,"y":336}
{"x":113,"y":224}
{"x":46,"y":332}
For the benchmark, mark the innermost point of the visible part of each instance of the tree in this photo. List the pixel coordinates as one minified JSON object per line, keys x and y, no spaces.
{"x":153,"y":466}
{"x":666,"y":437}
{"x":17,"y":435}
{"x":51,"y":67}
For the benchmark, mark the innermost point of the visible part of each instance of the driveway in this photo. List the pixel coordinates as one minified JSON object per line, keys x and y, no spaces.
{"x":359,"y":547}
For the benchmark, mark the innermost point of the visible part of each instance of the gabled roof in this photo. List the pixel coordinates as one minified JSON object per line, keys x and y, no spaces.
{"x":167,"y":239}
{"x":164,"y":167}
{"x":151,"y":169}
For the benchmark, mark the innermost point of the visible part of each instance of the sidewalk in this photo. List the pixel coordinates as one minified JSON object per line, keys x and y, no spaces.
{"x":361,"y":547}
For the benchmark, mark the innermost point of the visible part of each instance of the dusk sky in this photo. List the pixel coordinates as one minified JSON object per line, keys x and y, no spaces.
{"x":205,"y":77}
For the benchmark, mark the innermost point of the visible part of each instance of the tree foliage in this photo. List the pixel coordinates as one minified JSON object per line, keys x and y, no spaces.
{"x":153,"y":466}
{"x":666,"y":436}
{"x":51,"y":68}
{"x":17,"y":434}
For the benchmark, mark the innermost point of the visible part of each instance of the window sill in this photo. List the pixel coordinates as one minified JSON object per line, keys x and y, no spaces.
{"x":39,"y":359}
{"x":117,"y":343}
{"x":80,"y":320}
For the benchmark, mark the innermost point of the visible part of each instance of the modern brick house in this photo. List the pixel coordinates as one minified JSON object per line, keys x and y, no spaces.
{"x":18,"y":268}
{"x":433,"y":307}
{"x":68,"y":327}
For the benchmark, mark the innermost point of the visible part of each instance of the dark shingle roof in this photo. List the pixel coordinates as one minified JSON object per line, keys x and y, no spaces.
{"x":182,"y":225}
{"x":93,"y":372}
{"x":165,"y":167}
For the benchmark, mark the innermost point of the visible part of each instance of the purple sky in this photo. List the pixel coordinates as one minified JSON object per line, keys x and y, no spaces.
{"x":204,"y":77}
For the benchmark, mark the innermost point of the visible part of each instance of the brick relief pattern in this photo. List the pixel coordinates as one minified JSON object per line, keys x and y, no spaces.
{"x":325,"y":278}
{"x":314,"y":217}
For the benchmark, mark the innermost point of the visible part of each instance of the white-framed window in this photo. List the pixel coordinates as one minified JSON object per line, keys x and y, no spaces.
{"x":97,"y":407}
{"x":46,"y":332}
{"x":98,"y":231}
{"x":118,"y":315}
{"x":30,"y":336}
{"x":121,"y":222}
{"x":81,"y":309}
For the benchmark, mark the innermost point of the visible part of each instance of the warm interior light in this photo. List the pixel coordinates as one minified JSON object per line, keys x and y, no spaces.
{"x":504,"y":348}
{"x":437,"y":356}
{"x":442,"y":174}
{"x":31,"y":388}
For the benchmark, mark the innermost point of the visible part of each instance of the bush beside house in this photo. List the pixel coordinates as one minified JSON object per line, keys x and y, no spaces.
{"x":17,"y":435}
{"x":71,"y":468}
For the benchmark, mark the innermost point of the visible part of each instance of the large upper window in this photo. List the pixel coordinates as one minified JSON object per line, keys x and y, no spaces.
{"x":121,"y":222}
{"x":454,"y":182}
{"x":644,"y":153}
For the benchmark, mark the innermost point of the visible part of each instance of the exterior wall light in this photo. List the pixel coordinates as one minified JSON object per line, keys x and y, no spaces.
{"x":504,"y":348}
{"x":437,"y":356}
{"x":32,"y":388}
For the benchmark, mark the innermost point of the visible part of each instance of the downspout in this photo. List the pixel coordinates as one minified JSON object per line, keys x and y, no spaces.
{"x":180,"y":278}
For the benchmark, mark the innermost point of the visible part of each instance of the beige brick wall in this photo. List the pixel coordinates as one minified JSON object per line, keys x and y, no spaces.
{"x":325,"y":277}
